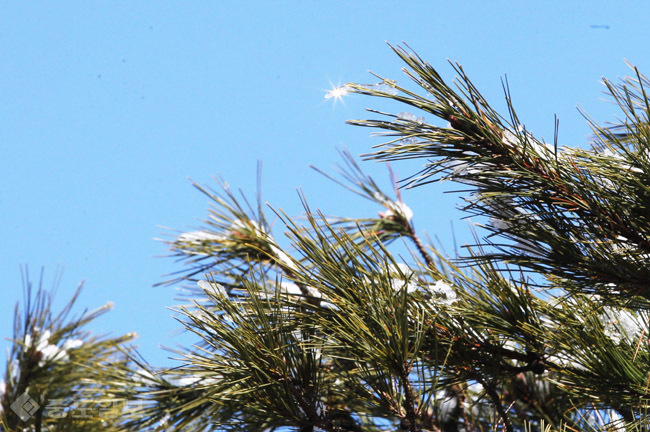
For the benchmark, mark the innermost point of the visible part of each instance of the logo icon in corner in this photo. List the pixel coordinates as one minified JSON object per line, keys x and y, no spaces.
{"x":24,"y":407}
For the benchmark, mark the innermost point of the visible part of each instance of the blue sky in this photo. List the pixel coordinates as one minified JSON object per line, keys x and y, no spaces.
{"x":108,"y":107}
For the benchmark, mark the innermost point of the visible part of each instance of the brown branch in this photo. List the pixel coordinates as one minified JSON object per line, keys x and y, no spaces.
{"x":494,"y":396}
{"x":420,"y":247}
{"x":411,"y":411}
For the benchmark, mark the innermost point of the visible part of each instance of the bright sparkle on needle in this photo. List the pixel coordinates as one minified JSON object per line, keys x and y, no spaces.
{"x":337,"y":93}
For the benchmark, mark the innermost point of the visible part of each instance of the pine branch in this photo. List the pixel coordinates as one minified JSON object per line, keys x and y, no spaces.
{"x":53,"y":361}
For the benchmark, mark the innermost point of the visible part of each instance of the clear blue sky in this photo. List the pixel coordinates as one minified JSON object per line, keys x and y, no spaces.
{"x":108,"y":107}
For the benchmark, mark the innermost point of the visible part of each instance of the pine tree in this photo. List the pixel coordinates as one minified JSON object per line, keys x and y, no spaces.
{"x":541,"y":325}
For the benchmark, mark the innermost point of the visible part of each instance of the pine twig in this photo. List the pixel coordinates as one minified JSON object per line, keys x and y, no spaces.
{"x":494,"y":396}
{"x":420,"y":247}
